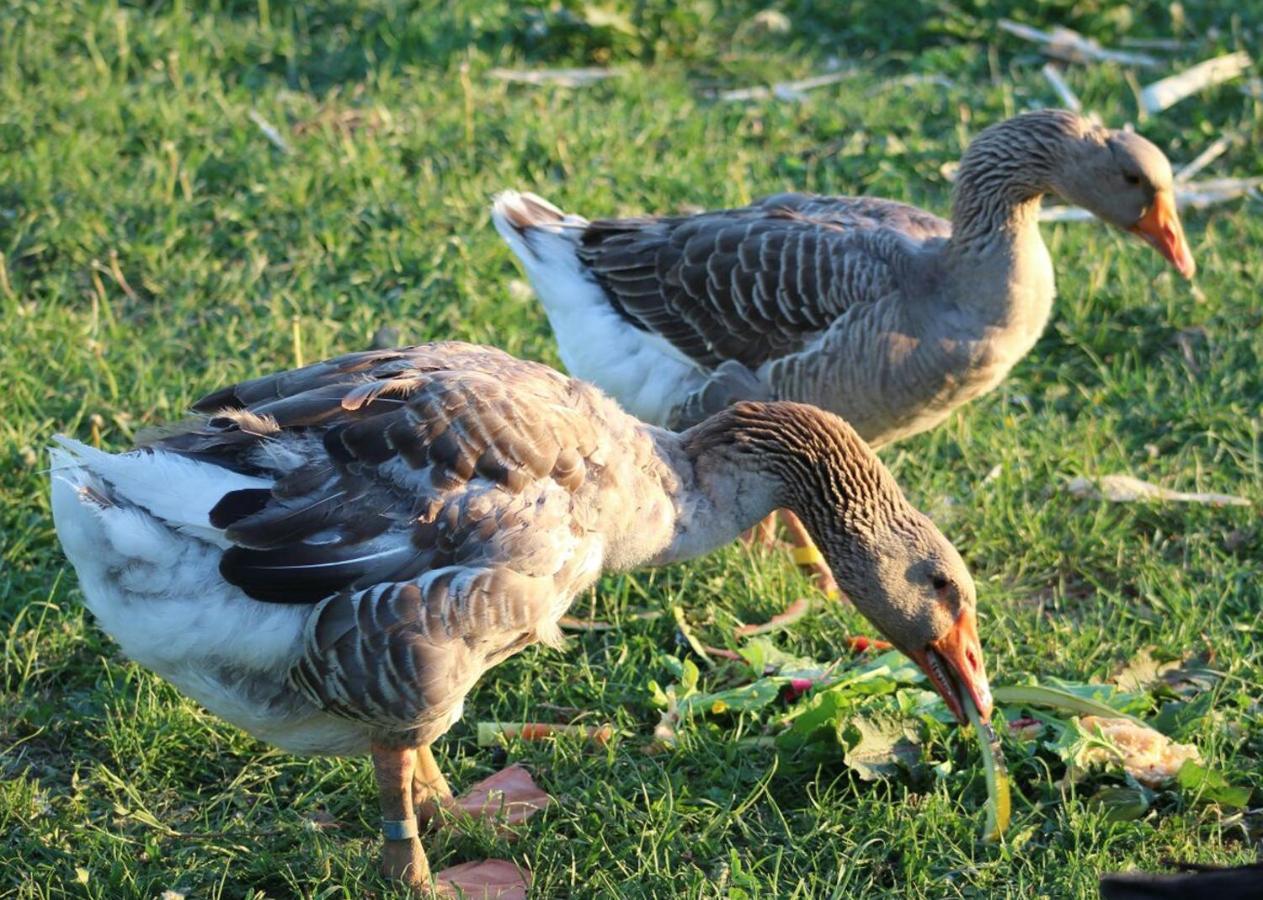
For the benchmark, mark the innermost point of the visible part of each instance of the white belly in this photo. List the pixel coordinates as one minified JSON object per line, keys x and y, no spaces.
{"x":159,"y":594}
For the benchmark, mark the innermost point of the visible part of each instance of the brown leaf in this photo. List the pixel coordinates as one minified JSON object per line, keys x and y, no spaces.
{"x":509,"y":797}
{"x":792,"y":614}
{"x":322,"y":820}
{"x":484,"y":880}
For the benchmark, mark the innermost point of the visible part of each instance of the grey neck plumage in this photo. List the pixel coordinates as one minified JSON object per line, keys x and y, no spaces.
{"x":1003,"y":175}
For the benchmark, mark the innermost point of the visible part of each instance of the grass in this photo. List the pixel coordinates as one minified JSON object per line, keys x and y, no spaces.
{"x":156,"y":244}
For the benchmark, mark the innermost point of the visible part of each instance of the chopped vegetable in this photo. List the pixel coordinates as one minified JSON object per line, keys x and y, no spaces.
{"x":1147,"y":755}
{"x":998,"y":806}
{"x":489,"y":733}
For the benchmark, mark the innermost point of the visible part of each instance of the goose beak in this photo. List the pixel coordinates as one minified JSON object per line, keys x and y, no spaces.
{"x":957,"y":657}
{"x":1160,"y":226}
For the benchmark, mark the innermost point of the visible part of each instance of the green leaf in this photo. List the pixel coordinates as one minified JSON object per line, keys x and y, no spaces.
{"x":999,"y":805}
{"x":898,"y":668}
{"x":810,"y":717}
{"x":746,"y":698}
{"x":1178,"y":718}
{"x":1122,"y":804}
{"x":1211,"y":785}
{"x":762,"y":655}
{"x":880,"y":746}
{"x":1081,"y":699}
{"x":694,"y":644}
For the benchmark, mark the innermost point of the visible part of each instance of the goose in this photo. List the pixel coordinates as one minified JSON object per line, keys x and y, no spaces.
{"x":875,"y":310}
{"x":330,"y":557}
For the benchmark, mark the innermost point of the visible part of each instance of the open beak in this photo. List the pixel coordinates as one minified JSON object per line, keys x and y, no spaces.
{"x":957,"y":657}
{"x":1160,"y":226}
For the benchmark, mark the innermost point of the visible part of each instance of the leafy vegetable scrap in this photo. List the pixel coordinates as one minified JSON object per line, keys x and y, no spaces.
{"x":875,"y":710}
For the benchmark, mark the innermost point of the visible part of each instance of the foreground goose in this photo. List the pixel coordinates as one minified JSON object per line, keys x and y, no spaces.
{"x":882,"y":313}
{"x":331,"y":557}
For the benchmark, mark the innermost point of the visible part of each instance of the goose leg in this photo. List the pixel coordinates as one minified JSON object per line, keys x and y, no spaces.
{"x":808,"y":556}
{"x":402,"y":855}
{"x":763,"y":534}
{"x":430,"y":789}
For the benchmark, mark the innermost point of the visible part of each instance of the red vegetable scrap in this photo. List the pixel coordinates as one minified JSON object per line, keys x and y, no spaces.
{"x":796,"y":688}
{"x":859,"y":643}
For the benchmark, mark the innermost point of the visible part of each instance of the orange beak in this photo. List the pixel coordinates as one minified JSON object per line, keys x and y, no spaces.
{"x":957,"y":656}
{"x":1160,"y":226}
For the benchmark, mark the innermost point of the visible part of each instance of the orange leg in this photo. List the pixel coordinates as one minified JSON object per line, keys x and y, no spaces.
{"x":430,"y":790}
{"x":763,"y":534}
{"x":808,"y":556}
{"x":403,"y":858}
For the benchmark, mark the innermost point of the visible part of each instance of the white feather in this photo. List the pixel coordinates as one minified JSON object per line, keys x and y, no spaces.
{"x":155,"y":588}
{"x":178,"y":490}
{"x":644,"y":371}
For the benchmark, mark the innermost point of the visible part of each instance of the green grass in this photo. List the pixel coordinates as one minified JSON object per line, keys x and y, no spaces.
{"x":156,"y":245}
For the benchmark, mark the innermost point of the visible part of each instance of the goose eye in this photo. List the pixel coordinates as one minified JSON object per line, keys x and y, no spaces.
{"x":938,"y":582}
{"x":1131,"y":179}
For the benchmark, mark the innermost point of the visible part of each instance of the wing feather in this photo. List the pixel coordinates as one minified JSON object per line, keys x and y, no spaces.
{"x":753,"y":284}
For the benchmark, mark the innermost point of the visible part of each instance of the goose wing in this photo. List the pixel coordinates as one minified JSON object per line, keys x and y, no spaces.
{"x":753,"y":284}
{"x":390,"y":464}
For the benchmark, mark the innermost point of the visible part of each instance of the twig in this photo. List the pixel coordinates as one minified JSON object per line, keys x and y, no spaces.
{"x":1160,"y":95}
{"x":1064,"y":43}
{"x":571,"y":78}
{"x":1206,"y":157}
{"x":786,"y":90}
{"x":1068,"y":98}
{"x":269,"y":131}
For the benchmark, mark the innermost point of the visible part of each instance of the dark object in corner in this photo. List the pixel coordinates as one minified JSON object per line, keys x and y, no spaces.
{"x":1193,"y":883}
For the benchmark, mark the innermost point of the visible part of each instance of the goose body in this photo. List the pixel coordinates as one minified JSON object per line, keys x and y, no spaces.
{"x":880,"y":312}
{"x":330,"y":558}
{"x":227,"y":601}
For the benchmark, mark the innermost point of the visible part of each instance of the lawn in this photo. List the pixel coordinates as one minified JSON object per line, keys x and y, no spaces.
{"x":156,"y":242}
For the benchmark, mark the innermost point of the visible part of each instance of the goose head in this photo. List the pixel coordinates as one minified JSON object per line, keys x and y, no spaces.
{"x":1126,"y":181}
{"x":909,"y":581}
{"x":893,"y":563}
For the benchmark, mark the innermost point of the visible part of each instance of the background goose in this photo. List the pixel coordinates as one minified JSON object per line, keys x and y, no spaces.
{"x":331,"y":557}
{"x":875,"y":310}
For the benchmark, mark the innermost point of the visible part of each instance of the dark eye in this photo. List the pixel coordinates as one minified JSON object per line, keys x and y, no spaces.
{"x":938,"y":582}
{"x":1131,"y":179}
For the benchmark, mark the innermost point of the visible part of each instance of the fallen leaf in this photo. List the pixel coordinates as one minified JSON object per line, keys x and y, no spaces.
{"x":489,"y":879}
{"x":879,"y":746}
{"x":792,"y":614}
{"x":509,"y":797}
{"x":1141,"y":671}
{"x":321,"y":820}
{"x":1126,"y":489}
